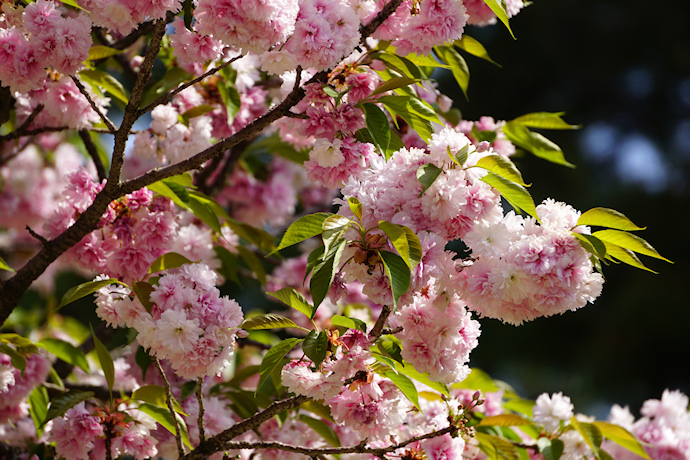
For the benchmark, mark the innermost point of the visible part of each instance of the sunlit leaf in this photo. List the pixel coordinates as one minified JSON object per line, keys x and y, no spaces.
{"x":377,"y":124}
{"x":303,"y":228}
{"x":350,"y":323}
{"x":545,"y":120}
{"x":504,"y":420}
{"x":622,"y":437}
{"x":605,"y":217}
{"x":274,"y":358}
{"x":165,"y":418}
{"x":167,"y":261}
{"x":426,"y":175}
{"x":406,"y":386}
{"x":629,"y":241}
{"x":503,"y":167}
{"x":405,"y":241}
{"x":473,"y":47}
{"x":458,"y":66}
{"x":294,"y":299}
{"x":499,"y":9}
{"x":267,"y":321}
{"x":101,"y":52}
{"x":105,"y":81}
{"x":398,"y":274}
{"x":515,"y":194}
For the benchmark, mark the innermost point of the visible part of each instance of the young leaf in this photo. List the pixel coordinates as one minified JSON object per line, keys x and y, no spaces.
{"x":515,"y":194}
{"x":143,"y":291}
{"x":267,"y":321}
{"x":413,"y":373}
{"x":66,"y":352}
{"x":478,"y":380}
{"x":303,"y":228}
{"x":535,"y":143}
{"x":629,"y":241}
{"x":401,"y":65}
{"x":333,"y":229}
{"x":503,"y":167}
{"x":545,"y":120}
{"x":390,"y":348}
{"x":458,"y":66}
{"x":97,"y":52}
{"x":413,"y":111}
{"x":4,"y":266}
{"x":592,"y":244}
{"x":105,"y":360}
{"x":394,"y":83}
{"x":377,"y":124}
{"x":274,"y":358}
{"x":406,"y":386}
{"x":622,"y":437}
{"x":473,"y":47}
{"x":323,"y":429}
{"x":355,"y":207}
{"x":350,"y":323}
{"x":315,"y":346}
{"x":614,"y":252}
{"x":64,"y":402}
{"x":294,"y":299}
{"x":169,"y":189}
{"x":405,"y":241}
{"x":198,"y":111}
{"x":496,"y":447}
{"x":398,"y":274}
{"x":84,"y":289}
{"x":231,"y":99}
{"x":324,"y":273}
{"x":590,"y":433}
{"x":164,"y":417}
{"x":167,"y":261}
{"x":426,"y":175}
{"x":105,"y":81}
{"x":504,"y":420}
{"x":499,"y":9}
{"x":155,"y":394}
{"x":605,"y":217}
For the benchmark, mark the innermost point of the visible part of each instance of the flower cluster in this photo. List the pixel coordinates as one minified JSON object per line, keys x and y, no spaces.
{"x":16,"y":385}
{"x":123,"y":16}
{"x":189,"y":323}
{"x":43,"y":38}
{"x":133,"y":232}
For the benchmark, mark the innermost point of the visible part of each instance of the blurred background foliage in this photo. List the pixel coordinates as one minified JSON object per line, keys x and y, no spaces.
{"x":620,"y":68}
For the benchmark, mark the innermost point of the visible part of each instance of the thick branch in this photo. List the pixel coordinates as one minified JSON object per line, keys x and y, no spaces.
{"x":377,"y":330}
{"x":221,"y":441}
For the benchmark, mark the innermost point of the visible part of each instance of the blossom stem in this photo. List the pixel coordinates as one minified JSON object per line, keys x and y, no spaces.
{"x":168,"y":400}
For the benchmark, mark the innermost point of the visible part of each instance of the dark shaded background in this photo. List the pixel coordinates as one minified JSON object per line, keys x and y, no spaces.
{"x":621,"y":68}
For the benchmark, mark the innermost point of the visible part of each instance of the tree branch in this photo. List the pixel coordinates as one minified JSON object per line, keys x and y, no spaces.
{"x":221,"y":441}
{"x":109,"y":124}
{"x":377,"y":330}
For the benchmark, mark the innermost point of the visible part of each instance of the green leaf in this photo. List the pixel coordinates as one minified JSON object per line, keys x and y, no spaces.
{"x":105,"y":360}
{"x":497,"y":448}
{"x":314,"y":258}
{"x":105,"y":81}
{"x":592,"y":244}
{"x":473,"y":47}
{"x":143,"y":360}
{"x":404,"y":241}
{"x":545,"y":120}
{"x":535,"y":143}
{"x":16,"y":359}
{"x":274,"y":358}
{"x":333,"y":229}
{"x":165,"y":418}
{"x":188,"y":14}
{"x":155,"y":394}
{"x":629,"y":241}
{"x":170,"y":80}
{"x":266,"y":321}
{"x":262,"y":239}
{"x":350,"y":323}
{"x":394,"y":83}
{"x":97,"y":52}
{"x":324,"y":273}
{"x":401,"y":65}
{"x":355,"y":207}
{"x":416,"y":113}
{"x":614,"y":252}
{"x":167,"y":261}
{"x":198,"y":111}
{"x":390,"y":348}
{"x":169,"y":189}
{"x":253,"y":262}
{"x":322,"y":428}
{"x":406,"y":387}
{"x":458,"y":66}
{"x":426,"y":175}
{"x":515,"y":194}
{"x":231,"y":99}
{"x":605,"y":217}
{"x":504,"y":420}
{"x":4,"y":266}
{"x":143,"y":291}
{"x":73,"y":4}
{"x":622,"y":437}
{"x":201,"y":209}
{"x":411,"y":372}
{"x":38,"y":407}
{"x":64,"y":402}
{"x":377,"y":124}
{"x":551,"y":449}
{"x":293,"y":299}
{"x":303,"y":228}
{"x":523,"y":406}
{"x":84,"y":289}
{"x":315,"y":346}
{"x":503,"y":167}
{"x":398,"y":274}
{"x":499,"y":9}
{"x":590,"y":433}
{"x":66,"y":352}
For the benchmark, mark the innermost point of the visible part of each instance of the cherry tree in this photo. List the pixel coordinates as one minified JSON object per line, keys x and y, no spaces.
{"x":174,"y":151}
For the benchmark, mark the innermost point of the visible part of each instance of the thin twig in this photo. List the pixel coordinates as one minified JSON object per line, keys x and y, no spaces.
{"x":109,"y":124}
{"x":166,"y":97}
{"x":37,"y":236}
{"x":32,"y":132}
{"x":24,"y":128}
{"x":200,"y":399}
{"x":92,"y":150}
{"x":377,"y":330}
{"x":168,"y":401}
